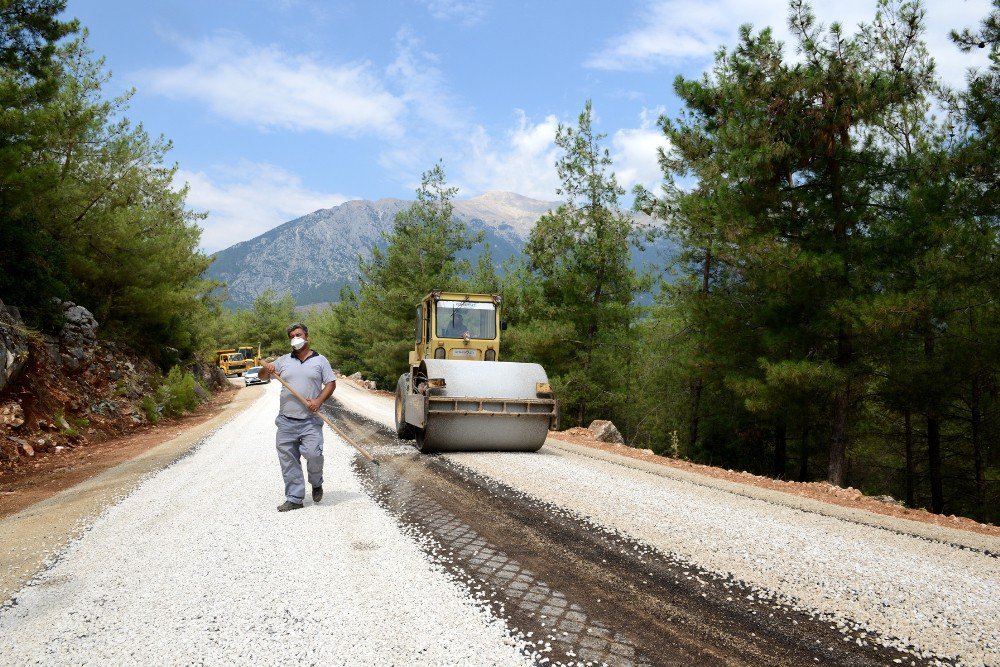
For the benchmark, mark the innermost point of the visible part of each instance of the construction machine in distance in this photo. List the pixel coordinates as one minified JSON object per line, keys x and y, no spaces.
{"x":237,"y":361}
{"x":458,"y":395}
{"x":232,"y":363}
{"x":250,"y":354}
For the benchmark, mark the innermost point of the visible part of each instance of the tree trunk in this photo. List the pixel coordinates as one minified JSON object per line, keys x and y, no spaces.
{"x":841,"y":410}
{"x":910,"y":477}
{"x":975,"y":408}
{"x":934,"y":440}
{"x":977,"y":448}
{"x":934,"y":457}
{"x":842,"y":400}
{"x":697,"y":384}
{"x":780,"y":447}
{"x":804,"y":455}
{"x":695,"y":407}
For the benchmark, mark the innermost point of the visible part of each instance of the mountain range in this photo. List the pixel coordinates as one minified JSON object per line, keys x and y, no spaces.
{"x":313,"y":256}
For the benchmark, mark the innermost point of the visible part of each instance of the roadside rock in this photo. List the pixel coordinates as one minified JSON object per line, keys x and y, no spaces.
{"x":80,"y":328}
{"x":355,"y":376}
{"x":77,"y":337}
{"x":208,"y":376}
{"x":13,"y":345}
{"x":69,"y":388}
{"x":52,"y":347}
{"x":605,"y":431}
{"x":11,"y":414}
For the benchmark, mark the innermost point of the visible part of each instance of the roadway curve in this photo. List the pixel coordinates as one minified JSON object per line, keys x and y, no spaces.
{"x":638,"y":564}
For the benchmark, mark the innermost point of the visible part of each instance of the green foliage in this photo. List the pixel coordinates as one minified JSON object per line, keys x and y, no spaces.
{"x":264,"y":324}
{"x":335,"y":332}
{"x":178,"y":393}
{"x":89,"y":207}
{"x":31,"y":265}
{"x":579,"y":313}
{"x":372,"y":331}
{"x":150,"y":409}
{"x":70,"y":425}
{"x":839,"y":258}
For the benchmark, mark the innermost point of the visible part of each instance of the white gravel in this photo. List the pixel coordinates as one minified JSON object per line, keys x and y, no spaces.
{"x":941,"y":599}
{"x":376,"y":407}
{"x":196,"y":566}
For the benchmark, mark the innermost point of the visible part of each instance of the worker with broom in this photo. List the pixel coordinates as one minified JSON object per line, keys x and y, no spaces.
{"x":305,"y":374}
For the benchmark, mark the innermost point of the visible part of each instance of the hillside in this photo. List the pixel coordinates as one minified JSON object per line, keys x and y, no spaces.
{"x":313,"y":256}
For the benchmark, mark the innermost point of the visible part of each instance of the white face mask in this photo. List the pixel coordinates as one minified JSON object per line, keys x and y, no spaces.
{"x":298,"y":342}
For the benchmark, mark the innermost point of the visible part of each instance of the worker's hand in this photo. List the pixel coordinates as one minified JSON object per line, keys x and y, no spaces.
{"x":314,"y":404}
{"x":267,"y":368}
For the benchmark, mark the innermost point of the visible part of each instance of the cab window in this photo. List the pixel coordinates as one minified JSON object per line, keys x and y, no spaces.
{"x":457,"y":318}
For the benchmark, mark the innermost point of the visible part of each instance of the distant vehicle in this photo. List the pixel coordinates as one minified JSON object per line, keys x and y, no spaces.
{"x":233,"y":363}
{"x":251,"y":355}
{"x":252,"y":377}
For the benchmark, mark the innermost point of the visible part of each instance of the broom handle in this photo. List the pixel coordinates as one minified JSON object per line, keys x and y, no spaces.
{"x":329,"y":423}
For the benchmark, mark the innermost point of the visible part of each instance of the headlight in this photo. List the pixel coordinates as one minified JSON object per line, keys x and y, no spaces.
{"x":439,"y":353}
{"x":490,"y":355}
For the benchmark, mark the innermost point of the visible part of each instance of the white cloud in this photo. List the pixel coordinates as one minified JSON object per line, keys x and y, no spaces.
{"x":634,"y":152}
{"x":468,"y":12}
{"x":669,"y":32}
{"x":524,"y":159}
{"x":523,"y":163}
{"x":423,"y":85}
{"x":247,"y":200}
{"x":268,"y":88}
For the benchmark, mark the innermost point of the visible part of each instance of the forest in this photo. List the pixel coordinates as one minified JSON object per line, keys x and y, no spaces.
{"x":832,"y":314}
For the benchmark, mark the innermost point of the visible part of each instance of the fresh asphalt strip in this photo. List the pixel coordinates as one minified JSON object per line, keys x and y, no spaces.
{"x":578,"y":592}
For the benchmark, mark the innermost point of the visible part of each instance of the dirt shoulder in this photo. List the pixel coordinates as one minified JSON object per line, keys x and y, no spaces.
{"x":30,"y":483}
{"x":44,"y":508}
{"x":819,"y":491}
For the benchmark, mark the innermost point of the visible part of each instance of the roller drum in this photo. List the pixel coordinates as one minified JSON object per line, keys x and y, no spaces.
{"x":485,"y":406}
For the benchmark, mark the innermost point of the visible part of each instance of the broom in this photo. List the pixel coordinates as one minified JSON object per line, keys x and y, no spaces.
{"x":364,"y":452}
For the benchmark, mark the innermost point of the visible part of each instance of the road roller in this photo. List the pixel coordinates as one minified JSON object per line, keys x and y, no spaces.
{"x":458,"y":395}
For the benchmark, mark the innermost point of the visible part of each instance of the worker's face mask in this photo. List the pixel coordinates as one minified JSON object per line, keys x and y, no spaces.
{"x":297,"y":342}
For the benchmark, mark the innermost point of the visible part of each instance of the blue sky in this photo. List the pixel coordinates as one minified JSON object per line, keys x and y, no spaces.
{"x":279,"y":107}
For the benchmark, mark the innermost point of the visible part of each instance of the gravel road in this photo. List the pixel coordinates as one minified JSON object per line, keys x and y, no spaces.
{"x":934,"y":599}
{"x":197,"y":567}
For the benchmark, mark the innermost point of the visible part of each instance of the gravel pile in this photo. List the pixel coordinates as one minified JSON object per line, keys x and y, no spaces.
{"x":196,"y":566}
{"x":937,"y":599}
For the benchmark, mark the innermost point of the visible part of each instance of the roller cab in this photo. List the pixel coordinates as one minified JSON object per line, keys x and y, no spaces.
{"x":458,"y":395}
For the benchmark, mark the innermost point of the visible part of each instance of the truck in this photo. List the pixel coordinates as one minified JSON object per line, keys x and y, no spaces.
{"x":232,"y":362}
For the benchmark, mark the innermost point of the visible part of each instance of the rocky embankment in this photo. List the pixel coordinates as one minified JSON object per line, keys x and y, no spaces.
{"x":71,"y":389}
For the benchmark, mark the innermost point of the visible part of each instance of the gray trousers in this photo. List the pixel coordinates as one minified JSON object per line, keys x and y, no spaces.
{"x":295,"y":438}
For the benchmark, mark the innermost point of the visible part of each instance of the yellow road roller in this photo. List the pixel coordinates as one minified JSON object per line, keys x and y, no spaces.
{"x":458,"y":395}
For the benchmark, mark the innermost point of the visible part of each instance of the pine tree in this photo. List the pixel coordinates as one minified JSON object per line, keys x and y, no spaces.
{"x":790,"y":176}
{"x":580,"y":254}
{"x":32,"y":266}
{"x":421,"y":255}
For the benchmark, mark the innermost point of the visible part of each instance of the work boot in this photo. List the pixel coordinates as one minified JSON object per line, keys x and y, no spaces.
{"x":289,"y":505}
{"x":317,"y":494}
